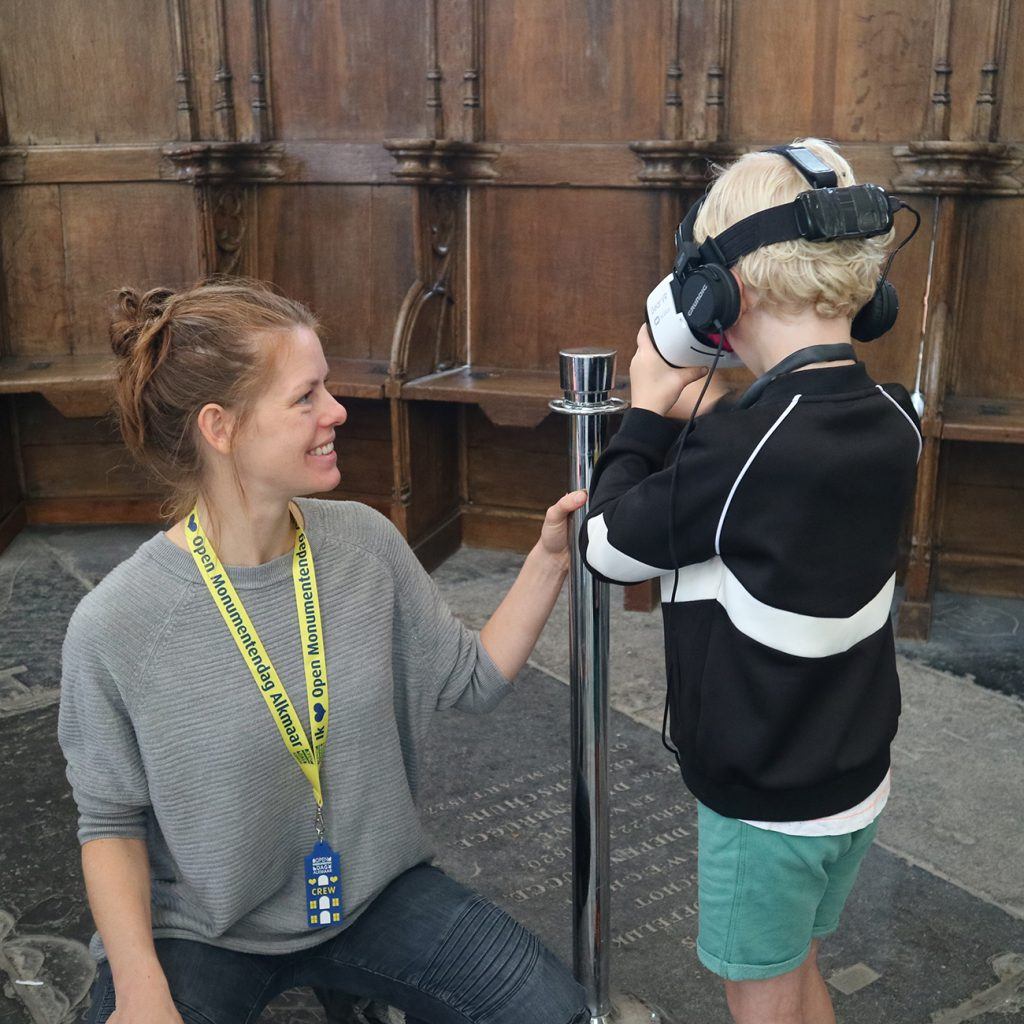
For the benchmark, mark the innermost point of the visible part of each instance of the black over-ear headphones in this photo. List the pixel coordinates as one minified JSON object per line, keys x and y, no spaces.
{"x":709,"y":297}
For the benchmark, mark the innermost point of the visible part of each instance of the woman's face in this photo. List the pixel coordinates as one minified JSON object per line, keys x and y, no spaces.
{"x":287,"y":446}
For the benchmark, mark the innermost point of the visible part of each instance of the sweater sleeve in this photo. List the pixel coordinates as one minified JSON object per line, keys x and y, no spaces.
{"x":433,"y":648}
{"x":95,"y":732}
{"x":635,"y":522}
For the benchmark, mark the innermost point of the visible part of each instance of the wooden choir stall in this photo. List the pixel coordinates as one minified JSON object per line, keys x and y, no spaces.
{"x":459,"y":188}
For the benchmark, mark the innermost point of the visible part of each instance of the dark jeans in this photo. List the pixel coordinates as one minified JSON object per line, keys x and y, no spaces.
{"x":427,"y":945}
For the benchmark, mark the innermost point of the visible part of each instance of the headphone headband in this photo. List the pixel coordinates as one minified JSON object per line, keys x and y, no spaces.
{"x":704,"y":291}
{"x":816,"y":171}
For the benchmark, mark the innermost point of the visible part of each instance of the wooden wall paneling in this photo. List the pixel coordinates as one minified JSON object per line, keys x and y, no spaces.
{"x":4,"y":134}
{"x":187,"y":121}
{"x":982,"y":548}
{"x":988,"y":103}
{"x":224,"y":176}
{"x":344,"y":69}
{"x":75,"y":467}
{"x":880,"y":68}
{"x":940,"y":331}
{"x":971,"y":48}
{"x":473,"y":110}
{"x":513,"y":475}
{"x":558,"y":267}
{"x":211,"y":46}
{"x":227,"y":225}
{"x":761,"y":32}
{"x":1010,"y":95}
{"x":429,"y":332}
{"x":12,"y":508}
{"x":35,"y":316}
{"x":144,"y":236}
{"x":572,"y":70}
{"x":12,"y":490}
{"x":896,"y":355}
{"x":223,"y":79}
{"x":425,"y":498}
{"x":78,"y":470}
{"x":259,"y":74}
{"x":427,"y":336}
{"x":346,"y":252}
{"x":990,"y":357}
{"x":854,"y":68}
{"x":49,"y":56}
{"x":364,"y":454}
{"x":718,"y":66}
{"x":435,"y":103}
{"x":937,"y":112}
{"x":672,"y":106}
{"x":460,"y":26}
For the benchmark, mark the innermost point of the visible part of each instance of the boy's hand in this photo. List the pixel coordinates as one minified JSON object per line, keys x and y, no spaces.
{"x":683,"y":408}
{"x":654,"y":385}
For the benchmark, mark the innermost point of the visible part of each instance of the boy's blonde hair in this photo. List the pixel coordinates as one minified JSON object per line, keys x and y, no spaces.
{"x":833,"y":278}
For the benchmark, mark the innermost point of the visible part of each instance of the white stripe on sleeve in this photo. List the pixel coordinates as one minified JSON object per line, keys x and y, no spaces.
{"x":903,"y":413}
{"x":602,"y":557}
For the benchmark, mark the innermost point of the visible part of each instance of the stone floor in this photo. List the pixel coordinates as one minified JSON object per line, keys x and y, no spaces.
{"x":933,"y":933}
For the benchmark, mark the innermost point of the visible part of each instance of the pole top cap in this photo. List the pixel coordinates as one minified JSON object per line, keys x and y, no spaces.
{"x":587,"y":374}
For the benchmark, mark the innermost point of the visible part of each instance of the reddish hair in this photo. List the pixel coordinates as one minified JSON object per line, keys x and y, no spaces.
{"x":179,"y":351}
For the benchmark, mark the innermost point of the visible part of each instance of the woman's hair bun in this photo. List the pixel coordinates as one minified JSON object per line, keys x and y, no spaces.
{"x":133,"y":313}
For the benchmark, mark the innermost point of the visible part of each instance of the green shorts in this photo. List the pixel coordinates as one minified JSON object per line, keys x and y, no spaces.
{"x":765,"y":895}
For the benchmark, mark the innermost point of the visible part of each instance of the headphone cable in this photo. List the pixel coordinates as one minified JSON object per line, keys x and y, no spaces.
{"x":913,"y":231}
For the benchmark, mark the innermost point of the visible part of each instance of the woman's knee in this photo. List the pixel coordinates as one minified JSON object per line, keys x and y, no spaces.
{"x":494,"y":971}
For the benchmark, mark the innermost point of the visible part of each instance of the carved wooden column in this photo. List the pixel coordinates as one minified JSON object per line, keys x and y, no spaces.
{"x":678,"y":166}
{"x":226,"y":176}
{"x":186,"y":109}
{"x":224,"y":170}
{"x":430,"y":337}
{"x":431,"y":332}
{"x":948,"y":172}
{"x":12,"y":475}
{"x":915,"y":611}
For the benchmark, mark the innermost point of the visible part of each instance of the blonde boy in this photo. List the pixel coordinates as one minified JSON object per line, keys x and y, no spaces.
{"x":784,"y":523}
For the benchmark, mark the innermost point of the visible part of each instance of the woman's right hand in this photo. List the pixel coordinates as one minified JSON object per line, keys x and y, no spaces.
{"x":116,"y":874}
{"x":146,"y":1008}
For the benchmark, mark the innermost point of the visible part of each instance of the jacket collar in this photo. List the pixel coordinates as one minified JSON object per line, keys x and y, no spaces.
{"x":825,"y":380}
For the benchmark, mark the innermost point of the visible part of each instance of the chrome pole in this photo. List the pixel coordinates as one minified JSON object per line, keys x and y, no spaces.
{"x":588,"y":378}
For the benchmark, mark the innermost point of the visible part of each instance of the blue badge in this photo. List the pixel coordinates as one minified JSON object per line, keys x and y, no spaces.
{"x":323,"y":887}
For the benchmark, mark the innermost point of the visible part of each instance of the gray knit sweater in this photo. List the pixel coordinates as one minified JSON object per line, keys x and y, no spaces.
{"x":168,"y":739}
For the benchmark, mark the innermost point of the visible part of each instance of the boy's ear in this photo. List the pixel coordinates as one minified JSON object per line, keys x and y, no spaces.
{"x":744,"y":303}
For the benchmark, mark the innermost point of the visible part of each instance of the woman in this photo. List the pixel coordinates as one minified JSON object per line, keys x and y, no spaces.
{"x":243,"y":833}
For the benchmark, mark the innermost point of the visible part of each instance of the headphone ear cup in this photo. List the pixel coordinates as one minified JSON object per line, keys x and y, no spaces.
{"x":710,"y":296}
{"x":878,"y":315}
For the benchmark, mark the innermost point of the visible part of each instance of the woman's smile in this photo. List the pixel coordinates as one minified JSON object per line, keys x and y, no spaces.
{"x":324,"y":451}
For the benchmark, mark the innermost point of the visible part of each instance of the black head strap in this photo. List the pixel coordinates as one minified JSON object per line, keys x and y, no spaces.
{"x":766,"y":227}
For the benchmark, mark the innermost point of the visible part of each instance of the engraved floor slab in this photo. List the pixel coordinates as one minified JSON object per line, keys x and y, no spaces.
{"x":496,"y":799}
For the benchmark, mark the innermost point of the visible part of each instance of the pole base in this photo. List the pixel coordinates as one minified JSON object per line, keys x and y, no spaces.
{"x":627,"y":1009}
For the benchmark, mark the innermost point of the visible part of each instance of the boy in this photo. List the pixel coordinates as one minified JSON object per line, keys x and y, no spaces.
{"x":784,"y":523}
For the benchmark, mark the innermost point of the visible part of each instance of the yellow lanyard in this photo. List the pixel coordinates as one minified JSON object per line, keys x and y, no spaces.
{"x":308,"y":756}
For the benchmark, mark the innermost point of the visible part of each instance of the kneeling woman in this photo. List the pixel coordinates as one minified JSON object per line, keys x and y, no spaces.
{"x":246,"y":698}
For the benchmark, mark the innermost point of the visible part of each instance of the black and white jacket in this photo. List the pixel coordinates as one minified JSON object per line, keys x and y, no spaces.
{"x":782,"y":680}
